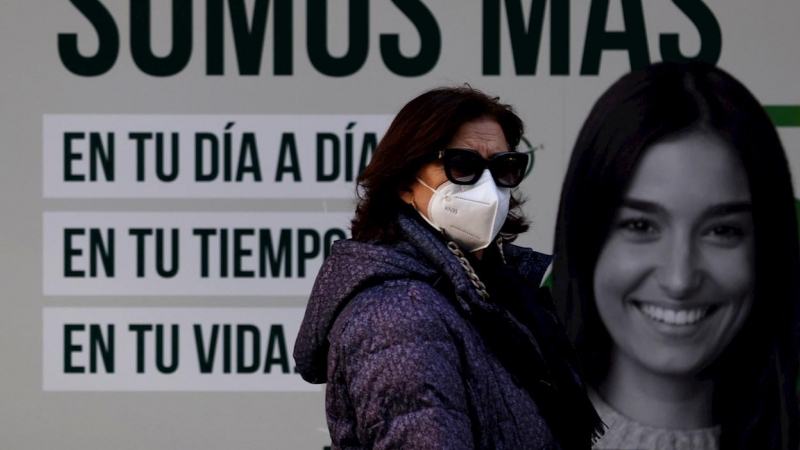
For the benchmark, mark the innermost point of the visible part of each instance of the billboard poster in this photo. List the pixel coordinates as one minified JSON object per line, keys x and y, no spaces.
{"x":175,"y":173}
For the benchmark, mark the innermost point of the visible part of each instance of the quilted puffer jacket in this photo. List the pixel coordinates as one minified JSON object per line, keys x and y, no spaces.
{"x":405,"y":365}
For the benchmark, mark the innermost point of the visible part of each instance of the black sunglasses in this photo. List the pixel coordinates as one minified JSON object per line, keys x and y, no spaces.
{"x":465,"y":166}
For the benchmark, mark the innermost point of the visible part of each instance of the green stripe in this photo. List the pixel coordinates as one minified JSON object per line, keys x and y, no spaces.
{"x":548,"y":282}
{"x":784,"y":115}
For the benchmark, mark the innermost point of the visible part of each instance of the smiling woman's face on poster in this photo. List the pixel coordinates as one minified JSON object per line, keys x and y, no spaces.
{"x":674,"y":280}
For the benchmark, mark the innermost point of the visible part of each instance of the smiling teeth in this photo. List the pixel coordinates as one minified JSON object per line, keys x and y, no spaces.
{"x":672,"y":317}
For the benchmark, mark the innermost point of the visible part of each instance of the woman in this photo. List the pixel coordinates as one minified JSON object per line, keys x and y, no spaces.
{"x":426,"y":325}
{"x":676,"y":260}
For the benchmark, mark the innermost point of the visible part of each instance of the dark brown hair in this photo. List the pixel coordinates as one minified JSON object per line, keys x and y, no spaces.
{"x":755,"y":377}
{"x":425,"y":125}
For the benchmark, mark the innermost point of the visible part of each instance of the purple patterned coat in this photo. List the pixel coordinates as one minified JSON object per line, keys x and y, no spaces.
{"x":404,"y":366}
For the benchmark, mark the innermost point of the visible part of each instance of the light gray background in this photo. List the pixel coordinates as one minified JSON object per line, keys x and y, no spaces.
{"x":760,"y":46}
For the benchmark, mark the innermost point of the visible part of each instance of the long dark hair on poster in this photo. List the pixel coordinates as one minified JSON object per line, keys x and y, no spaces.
{"x":755,"y":377}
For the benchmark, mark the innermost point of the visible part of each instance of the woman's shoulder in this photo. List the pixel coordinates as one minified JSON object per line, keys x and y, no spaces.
{"x":409,"y":297}
{"x":401,"y":309}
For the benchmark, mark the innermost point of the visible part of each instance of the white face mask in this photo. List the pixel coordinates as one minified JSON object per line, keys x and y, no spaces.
{"x":471,"y":215}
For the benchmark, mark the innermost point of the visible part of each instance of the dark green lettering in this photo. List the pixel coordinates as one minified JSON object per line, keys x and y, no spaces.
{"x":633,"y":39}
{"x":526,"y":39}
{"x":98,"y":151}
{"x":206,"y":359}
{"x":70,"y":156}
{"x":491,"y":37}
{"x":226,"y":348}
{"x":204,"y":234}
{"x":140,"y":330}
{"x":708,"y":27}
{"x":248,"y":148}
{"x":223,"y":253}
{"x":70,"y":251}
{"x":249,"y":37}
{"x":160,"y":365}
{"x":161,"y":269}
{"x":335,"y":157}
{"x":317,"y":38}
{"x":559,"y":37}
{"x":304,"y":253}
{"x":282,"y":259}
{"x":199,"y":138}
{"x":288,"y":149}
{"x":239,"y":252}
{"x":277,"y":341}
{"x":141,"y":48}
{"x":107,"y":36}
{"x":70,"y":348}
{"x":430,"y":42}
{"x":161,"y":172}
{"x":241,"y":334}
{"x":525,"y":44}
{"x":96,"y":247}
{"x":96,"y":342}
{"x":141,"y":140}
{"x":140,"y":234}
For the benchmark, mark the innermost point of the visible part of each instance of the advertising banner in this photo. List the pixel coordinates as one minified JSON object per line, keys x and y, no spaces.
{"x":175,"y":173}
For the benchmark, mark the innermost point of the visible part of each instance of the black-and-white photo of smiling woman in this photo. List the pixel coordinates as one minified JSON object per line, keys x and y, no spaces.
{"x":676,"y":264}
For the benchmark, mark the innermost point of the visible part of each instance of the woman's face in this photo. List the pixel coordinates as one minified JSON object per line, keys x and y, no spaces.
{"x":484,"y":136}
{"x":674,"y":280}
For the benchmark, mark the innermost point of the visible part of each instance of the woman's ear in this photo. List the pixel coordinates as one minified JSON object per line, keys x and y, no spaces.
{"x":406,"y":194}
